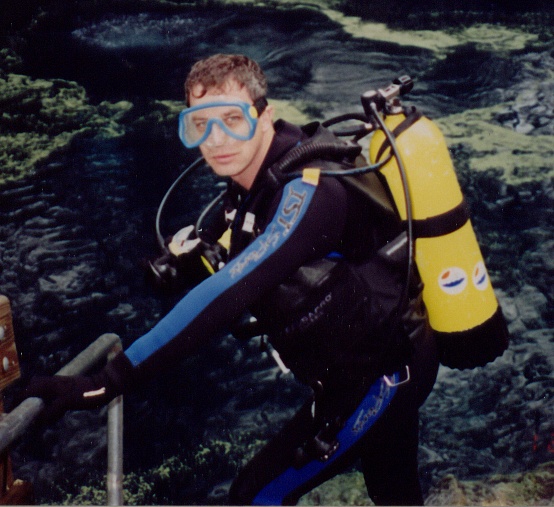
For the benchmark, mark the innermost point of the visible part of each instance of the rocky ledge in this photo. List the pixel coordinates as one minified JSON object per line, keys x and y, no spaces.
{"x":41,"y":118}
{"x":535,"y":487}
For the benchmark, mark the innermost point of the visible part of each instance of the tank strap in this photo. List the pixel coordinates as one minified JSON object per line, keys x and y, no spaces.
{"x":411,"y":117}
{"x":442,"y":224}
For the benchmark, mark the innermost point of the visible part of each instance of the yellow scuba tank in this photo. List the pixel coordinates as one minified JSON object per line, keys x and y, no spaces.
{"x":462,"y":307}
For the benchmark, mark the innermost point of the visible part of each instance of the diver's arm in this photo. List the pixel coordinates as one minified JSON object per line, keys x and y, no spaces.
{"x":308,"y":224}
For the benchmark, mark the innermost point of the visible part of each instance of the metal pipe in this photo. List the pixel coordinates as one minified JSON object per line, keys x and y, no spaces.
{"x":92,"y":355}
{"x":14,"y":424}
{"x":115,"y":445}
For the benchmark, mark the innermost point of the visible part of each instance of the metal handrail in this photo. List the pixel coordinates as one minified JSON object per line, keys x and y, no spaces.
{"x":14,"y":424}
{"x":114,"y":484}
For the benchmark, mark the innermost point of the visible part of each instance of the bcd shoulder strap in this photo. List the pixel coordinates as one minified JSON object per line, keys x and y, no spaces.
{"x":373,"y":189}
{"x":411,"y":117}
{"x":371,"y":184}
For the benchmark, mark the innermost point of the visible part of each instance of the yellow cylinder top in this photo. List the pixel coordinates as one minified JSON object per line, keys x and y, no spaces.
{"x":432,"y":180}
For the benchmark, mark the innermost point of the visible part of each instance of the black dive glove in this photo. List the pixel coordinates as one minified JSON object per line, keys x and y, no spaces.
{"x":80,"y":392}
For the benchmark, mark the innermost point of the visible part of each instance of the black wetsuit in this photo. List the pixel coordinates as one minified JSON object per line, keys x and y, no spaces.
{"x":338,"y":336}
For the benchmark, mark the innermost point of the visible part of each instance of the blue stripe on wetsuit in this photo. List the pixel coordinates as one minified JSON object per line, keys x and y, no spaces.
{"x":368,"y":412}
{"x":296,"y":198}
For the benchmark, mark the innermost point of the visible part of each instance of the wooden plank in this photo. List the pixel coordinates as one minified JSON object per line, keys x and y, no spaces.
{"x":9,"y":361}
{"x":11,"y":492}
{"x":19,"y":493}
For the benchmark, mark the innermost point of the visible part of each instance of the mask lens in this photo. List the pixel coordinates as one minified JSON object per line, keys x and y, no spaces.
{"x":234,"y":119}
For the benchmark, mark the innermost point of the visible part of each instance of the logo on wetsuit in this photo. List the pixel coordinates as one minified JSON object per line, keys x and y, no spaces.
{"x":291,"y":209}
{"x":367,"y":415}
{"x":279,"y":228}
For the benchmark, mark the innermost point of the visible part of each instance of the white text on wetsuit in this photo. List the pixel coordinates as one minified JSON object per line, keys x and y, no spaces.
{"x":291,"y":209}
{"x":268,"y":241}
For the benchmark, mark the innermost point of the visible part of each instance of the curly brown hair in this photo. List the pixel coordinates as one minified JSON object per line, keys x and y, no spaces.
{"x":216,"y":70}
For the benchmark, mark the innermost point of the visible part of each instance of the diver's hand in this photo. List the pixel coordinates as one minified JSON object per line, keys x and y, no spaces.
{"x":79,"y":392}
{"x":61,"y":394}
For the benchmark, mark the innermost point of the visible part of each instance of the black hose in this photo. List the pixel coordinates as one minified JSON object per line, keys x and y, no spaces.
{"x":207,"y":210}
{"x":357,"y":171}
{"x":159,"y":236}
{"x":345,"y":117}
{"x":307,"y":152}
{"x":356,"y":132}
{"x":408,"y":204}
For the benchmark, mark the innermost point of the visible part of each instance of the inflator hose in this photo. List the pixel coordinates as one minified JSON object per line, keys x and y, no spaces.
{"x":310,"y":151}
{"x":207,"y":210}
{"x":408,"y":204}
{"x":159,"y":236}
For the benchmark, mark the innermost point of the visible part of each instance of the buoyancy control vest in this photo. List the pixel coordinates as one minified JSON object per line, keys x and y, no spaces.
{"x":359,"y":293}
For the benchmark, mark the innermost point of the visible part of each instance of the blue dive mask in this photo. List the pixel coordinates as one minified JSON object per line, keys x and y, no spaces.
{"x":236,"y":119}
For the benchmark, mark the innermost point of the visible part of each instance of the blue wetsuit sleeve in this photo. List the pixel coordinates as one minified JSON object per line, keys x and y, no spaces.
{"x":308,"y":224}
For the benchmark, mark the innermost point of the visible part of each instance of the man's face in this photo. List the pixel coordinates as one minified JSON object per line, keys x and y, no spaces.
{"x":240,"y":160}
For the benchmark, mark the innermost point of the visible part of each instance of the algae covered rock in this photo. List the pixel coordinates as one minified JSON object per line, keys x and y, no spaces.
{"x":535,"y":487}
{"x":42,"y":117}
{"x":345,"y":489}
{"x":529,"y":488}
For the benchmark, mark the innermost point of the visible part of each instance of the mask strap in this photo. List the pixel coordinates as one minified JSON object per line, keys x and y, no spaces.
{"x":260,"y":105}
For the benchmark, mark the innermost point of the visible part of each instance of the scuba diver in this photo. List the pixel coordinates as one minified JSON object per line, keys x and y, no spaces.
{"x":322,"y":270}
